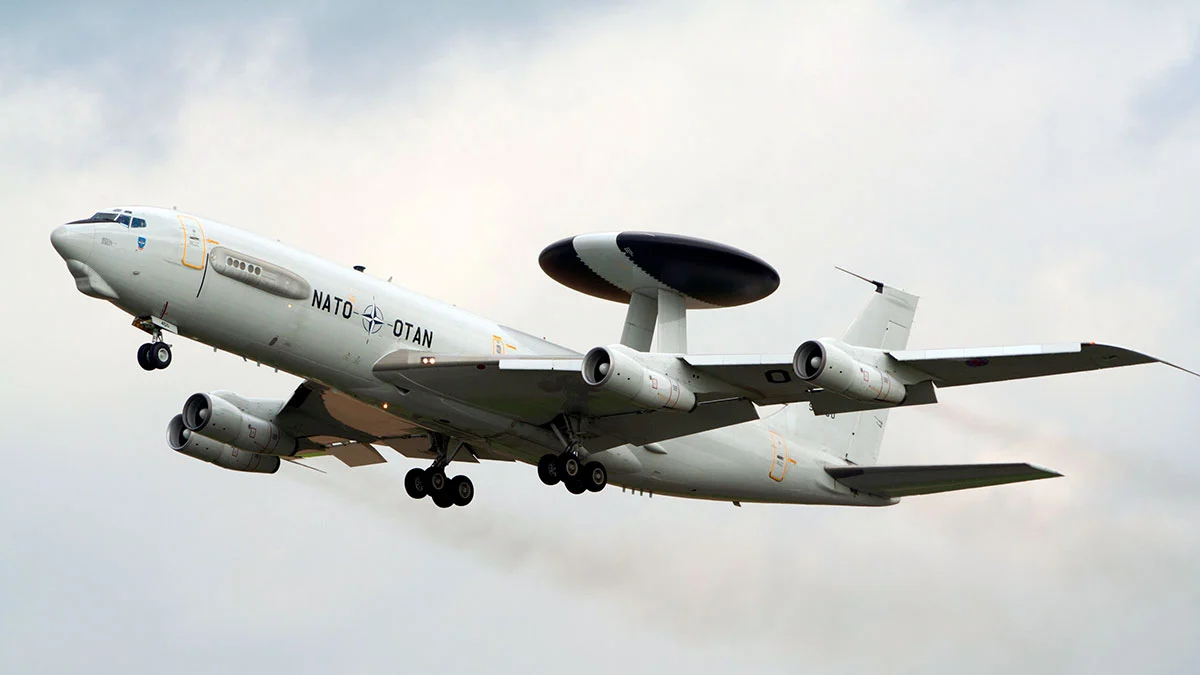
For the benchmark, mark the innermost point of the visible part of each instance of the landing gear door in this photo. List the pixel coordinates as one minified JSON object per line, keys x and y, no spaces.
{"x":195,"y":248}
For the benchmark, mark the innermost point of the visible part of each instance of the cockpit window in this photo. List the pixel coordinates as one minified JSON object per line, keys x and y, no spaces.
{"x":121,"y":216}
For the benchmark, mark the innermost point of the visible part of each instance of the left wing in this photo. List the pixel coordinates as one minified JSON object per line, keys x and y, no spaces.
{"x":329,"y":422}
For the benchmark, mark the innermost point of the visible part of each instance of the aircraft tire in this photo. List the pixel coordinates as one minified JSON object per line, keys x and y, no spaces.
{"x":548,"y":469}
{"x":143,"y":356}
{"x":575,"y":486}
{"x":444,"y":499}
{"x":568,"y":467}
{"x":435,"y":481}
{"x":414,"y":483}
{"x":462,"y":490}
{"x":160,"y":355}
{"x":595,"y":476}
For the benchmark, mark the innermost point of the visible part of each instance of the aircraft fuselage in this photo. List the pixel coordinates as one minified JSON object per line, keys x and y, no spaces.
{"x":295,"y":311}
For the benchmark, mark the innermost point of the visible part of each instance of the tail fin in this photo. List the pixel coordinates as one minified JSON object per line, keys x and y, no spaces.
{"x":883,"y":324}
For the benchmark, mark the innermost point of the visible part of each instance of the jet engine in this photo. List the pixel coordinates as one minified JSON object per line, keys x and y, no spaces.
{"x":825,"y":364}
{"x":192,"y":444}
{"x":222,"y":421}
{"x":620,"y":373}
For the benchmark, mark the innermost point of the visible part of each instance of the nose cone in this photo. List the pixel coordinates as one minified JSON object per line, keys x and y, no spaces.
{"x":74,"y":242}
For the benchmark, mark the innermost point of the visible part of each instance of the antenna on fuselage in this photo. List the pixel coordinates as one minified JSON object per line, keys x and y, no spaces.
{"x":879,"y":285}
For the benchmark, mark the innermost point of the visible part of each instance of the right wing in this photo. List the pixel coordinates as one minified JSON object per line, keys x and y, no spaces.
{"x":905,"y":481}
{"x":535,"y":390}
{"x":958,"y":367}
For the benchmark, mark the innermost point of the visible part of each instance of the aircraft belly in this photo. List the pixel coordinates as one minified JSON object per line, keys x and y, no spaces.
{"x":738,"y":463}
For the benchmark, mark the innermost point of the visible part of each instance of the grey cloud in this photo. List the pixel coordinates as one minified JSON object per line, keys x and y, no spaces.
{"x":143,"y":61}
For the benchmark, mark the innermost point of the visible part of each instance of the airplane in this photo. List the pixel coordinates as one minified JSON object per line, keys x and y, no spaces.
{"x":383,"y":366}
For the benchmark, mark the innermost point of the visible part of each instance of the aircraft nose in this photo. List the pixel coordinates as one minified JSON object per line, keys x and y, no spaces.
{"x":73,"y":242}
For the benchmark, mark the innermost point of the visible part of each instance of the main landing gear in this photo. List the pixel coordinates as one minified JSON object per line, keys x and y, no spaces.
{"x":444,"y":491}
{"x":577,"y":476}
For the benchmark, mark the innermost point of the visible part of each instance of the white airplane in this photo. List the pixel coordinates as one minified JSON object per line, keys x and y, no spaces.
{"x":384,"y":366}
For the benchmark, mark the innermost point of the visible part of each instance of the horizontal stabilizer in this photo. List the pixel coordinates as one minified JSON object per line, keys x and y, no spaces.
{"x":905,"y":481}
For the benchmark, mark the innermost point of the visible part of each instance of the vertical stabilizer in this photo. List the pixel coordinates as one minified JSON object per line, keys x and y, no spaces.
{"x":883,"y":324}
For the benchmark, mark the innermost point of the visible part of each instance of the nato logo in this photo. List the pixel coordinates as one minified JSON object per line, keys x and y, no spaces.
{"x":372,"y":319}
{"x":141,"y":243}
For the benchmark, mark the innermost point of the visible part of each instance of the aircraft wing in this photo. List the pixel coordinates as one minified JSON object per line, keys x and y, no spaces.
{"x":957,"y":367}
{"x":905,"y":481}
{"x":329,"y":422}
{"x":535,"y":390}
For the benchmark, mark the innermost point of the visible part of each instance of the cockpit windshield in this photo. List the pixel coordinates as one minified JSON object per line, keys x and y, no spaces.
{"x":122,"y":216}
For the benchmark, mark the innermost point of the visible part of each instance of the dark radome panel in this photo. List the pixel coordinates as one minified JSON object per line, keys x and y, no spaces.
{"x":560,"y":262}
{"x":705,"y":270}
{"x":710,"y":274}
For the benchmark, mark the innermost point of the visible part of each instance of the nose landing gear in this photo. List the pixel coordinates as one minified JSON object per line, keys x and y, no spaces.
{"x":155,"y":354}
{"x":445,"y":492}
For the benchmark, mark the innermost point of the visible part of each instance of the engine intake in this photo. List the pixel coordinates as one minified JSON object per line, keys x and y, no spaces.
{"x":193,"y":444}
{"x":620,"y":373}
{"x":825,"y":364}
{"x":224,"y":422}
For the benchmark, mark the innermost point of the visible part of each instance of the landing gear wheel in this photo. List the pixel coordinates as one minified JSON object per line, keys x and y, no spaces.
{"x":595,"y":476}
{"x":548,"y":469}
{"x":568,"y":467}
{"x":144,"y":358}
{"x":462,"y":491}
{"x":444,"y":500}
{"x":435,"y":481}
{"x":575,"y":486}
{"x":160,"y":355}
{"x":414,"y":483}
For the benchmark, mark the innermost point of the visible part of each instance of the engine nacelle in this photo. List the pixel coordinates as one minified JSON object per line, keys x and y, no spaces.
{"x":190,"y":443}
{"x":222,"y":421}
{"x":827,"y":365}
{"x":616,"y":371}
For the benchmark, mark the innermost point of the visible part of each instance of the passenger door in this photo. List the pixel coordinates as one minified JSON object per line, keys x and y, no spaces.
{"x":195,"y":249}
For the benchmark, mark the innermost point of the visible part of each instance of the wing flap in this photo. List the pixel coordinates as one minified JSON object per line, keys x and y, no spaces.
{"x":355,"y":454}
{"x":905,"y":481}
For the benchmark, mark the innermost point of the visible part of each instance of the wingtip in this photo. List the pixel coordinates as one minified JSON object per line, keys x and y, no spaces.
{"x":1050,"y":473}
{"x":1178,"y":367}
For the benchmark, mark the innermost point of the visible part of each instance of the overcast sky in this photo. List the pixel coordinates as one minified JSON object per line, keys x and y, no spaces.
{"x":1028,"y":169}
